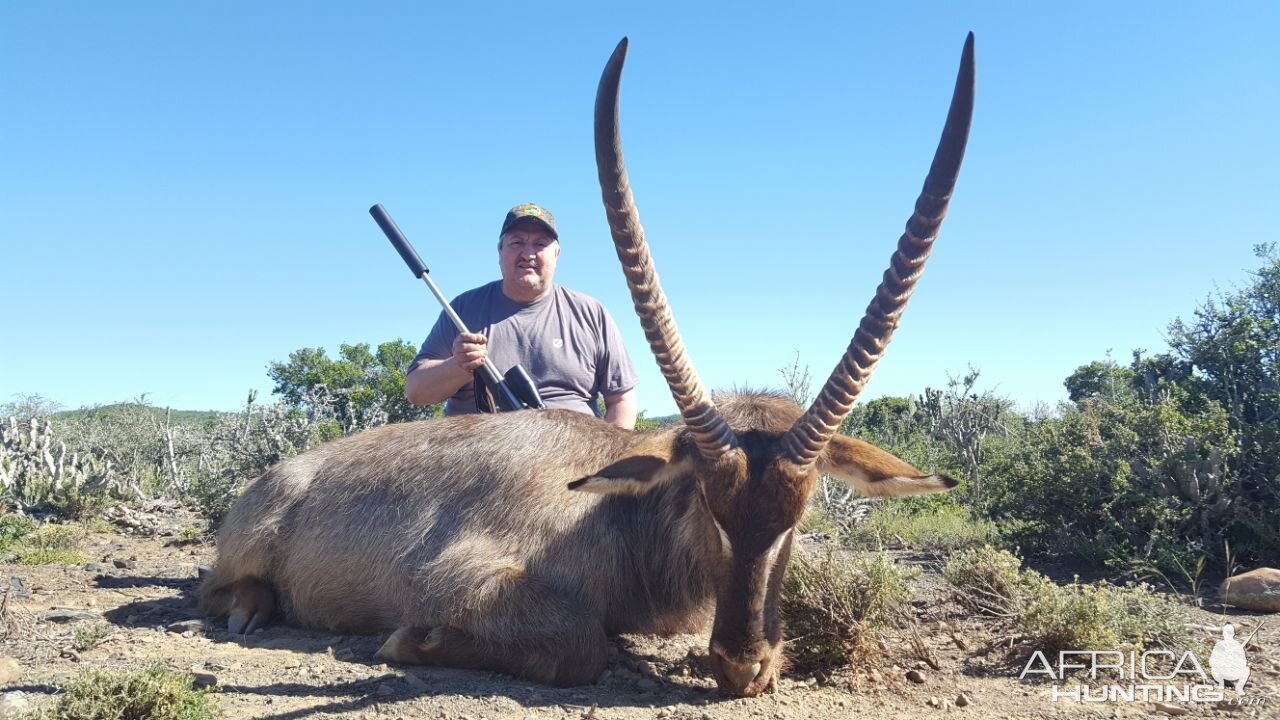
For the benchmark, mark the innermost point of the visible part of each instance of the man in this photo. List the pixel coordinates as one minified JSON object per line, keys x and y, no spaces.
{"x":566,"y":340}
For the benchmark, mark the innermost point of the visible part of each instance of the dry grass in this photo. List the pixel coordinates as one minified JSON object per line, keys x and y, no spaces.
{"x":1075,"y":616}
{"x":832,"y":606}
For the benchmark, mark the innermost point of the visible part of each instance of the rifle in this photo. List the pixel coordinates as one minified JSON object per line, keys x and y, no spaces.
{"x":513,"y":391}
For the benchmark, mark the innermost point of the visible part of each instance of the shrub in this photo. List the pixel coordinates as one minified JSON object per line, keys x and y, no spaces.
{"x":50,"y":544}
{"x":90,"y":635}
{"x":37,"y":471}
{"x":1072,"y":617}
{"x":154,"y":692}
{"x":1128,"y":479}
{"x":831,"y":607}
{"x":212,"y":495}
{"x":1109,"y":617}
{"x":989,"y":582}
{"x":941,"y":528}
{"x":13,"y":530}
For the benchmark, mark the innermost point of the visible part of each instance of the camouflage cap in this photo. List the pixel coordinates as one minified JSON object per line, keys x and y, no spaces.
{"x":529,"y":212}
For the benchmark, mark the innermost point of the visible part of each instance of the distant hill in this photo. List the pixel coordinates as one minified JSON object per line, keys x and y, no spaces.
{"x":104,"y":412}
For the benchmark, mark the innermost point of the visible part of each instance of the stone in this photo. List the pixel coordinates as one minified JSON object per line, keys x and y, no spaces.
{"x":1255,"y":590}
{"x":915,"y":676}
{"x":1173,"y":710}
{"x":10,"y":671}
{"x":17,"y":588}
{"x":185,"y":626}
{"x":14,"y":704}
{"x":66,"y":616}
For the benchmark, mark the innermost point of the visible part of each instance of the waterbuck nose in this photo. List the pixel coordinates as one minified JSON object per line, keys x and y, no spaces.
{"x":735,"y":677}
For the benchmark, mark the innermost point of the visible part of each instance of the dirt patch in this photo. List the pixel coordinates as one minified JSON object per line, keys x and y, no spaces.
{"x":134,"y":602}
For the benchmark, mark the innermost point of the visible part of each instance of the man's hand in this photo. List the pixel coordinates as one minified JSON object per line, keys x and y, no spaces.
{"x":470,"y":350}
{"x":433,"y":381}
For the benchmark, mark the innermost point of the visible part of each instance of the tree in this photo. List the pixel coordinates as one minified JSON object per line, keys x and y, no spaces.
{"x":1233,"y":346}
{"x":24,"y":407}
{"x":358,"y":390}
{"x":963,"y":420}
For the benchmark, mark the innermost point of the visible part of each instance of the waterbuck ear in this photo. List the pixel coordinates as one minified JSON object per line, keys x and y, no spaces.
{"x":874,"y":472}
{"x":650,"y":463}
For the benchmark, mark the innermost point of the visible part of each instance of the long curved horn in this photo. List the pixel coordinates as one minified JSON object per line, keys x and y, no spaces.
{"x":710,"y":431}
{"x":814,"y":429}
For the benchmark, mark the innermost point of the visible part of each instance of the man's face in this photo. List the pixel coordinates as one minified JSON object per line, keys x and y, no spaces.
{"x":527,"y":255}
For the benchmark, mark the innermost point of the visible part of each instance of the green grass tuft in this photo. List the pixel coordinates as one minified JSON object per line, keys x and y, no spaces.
{"x":91,"y":635}
{"x":50,"y":544}
{"x":155,"y":693}
{"x":941,"y":529}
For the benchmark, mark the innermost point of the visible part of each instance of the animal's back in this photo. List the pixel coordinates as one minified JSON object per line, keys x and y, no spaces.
{"x":414,"y":522}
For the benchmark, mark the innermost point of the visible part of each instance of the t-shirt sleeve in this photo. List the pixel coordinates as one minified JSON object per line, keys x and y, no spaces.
{"x":615,"y":373}
{"x":439,"y":342}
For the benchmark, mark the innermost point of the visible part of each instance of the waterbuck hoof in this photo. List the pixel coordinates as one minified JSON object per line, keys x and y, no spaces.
{"x":410,"y":645}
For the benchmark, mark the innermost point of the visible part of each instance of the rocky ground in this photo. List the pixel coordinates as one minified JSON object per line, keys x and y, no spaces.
{"x":133,"y":603}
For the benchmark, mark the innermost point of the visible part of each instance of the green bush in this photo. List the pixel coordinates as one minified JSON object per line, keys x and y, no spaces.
{"x":50,"y":544}
{"x":13,"y":530}
{"x":212,"y":495}
{"x":153,"y":693}
{"x":1052,"y":618}
{"x":79,"y":505}
{"x":1124,"y":480}
{"x":1101,"y":616}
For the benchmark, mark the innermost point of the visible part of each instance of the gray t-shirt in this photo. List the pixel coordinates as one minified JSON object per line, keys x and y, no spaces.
{"x":567,"y":341}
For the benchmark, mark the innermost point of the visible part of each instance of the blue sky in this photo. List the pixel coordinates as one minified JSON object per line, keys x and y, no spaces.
{"x":184,"y":187}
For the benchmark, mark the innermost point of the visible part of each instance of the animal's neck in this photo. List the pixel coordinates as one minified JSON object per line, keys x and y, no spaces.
{"x":674,"y":550}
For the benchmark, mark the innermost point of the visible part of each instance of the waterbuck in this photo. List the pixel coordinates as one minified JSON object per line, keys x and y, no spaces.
{"x":519,"y":542}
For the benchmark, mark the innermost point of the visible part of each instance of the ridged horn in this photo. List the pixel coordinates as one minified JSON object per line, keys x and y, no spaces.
{"x":814,"y":429}
{"x":711,"y":433}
